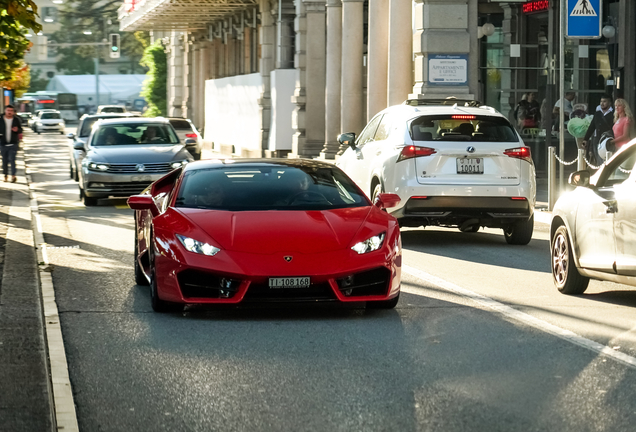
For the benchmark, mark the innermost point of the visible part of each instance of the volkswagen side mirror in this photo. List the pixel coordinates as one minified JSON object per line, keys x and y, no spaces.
{"x":78,"y":146}
{"x":348,"y":138}
{"x":70,"y":136}
{"x":190,"y":142}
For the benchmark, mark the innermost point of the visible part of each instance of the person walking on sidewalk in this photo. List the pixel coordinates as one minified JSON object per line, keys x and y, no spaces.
{"x":602,"y":122}
{"x":10,"y":136}
{"x":623,"y":123}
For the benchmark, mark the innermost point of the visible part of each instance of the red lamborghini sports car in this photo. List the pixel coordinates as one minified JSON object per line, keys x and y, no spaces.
{"x":264,"y":230}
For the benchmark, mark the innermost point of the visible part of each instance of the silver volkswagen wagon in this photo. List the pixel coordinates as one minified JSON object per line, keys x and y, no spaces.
{"x":125,"y":155}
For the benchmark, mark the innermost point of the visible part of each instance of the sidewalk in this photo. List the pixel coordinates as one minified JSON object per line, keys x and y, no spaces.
{"x":25,"y":393}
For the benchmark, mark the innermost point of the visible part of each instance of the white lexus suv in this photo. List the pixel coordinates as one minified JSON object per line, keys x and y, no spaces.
{"x":452,"y":162}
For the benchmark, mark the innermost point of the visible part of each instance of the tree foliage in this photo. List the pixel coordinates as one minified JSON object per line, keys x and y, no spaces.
{"x":22,"y":12}
{"x":100,"y":18}
{"x":20,"y":80}
{"x":155,"y":87}
{"x":13,"y":44}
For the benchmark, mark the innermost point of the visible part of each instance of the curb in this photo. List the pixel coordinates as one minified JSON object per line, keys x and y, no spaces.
{"x":64,"y":405}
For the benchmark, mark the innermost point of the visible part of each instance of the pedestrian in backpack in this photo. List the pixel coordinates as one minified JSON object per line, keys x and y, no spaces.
{"x":10,"y":136}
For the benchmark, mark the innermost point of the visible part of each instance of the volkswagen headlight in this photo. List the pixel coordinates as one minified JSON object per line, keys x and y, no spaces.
{"x":369,"y":245}
{"x":94,"y":166}
{"x":196,"y":246}
{"x":179,"y":164}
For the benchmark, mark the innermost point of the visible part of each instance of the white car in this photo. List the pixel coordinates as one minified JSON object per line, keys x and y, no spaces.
{"x":187,"y":131}
{"x":453,"y":166}
{"x":593,"y":229}
{"x":118,"y":109}
{"x":49,"y":121}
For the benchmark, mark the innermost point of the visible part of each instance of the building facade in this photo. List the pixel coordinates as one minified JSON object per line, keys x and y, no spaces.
{"x":285,"y":77}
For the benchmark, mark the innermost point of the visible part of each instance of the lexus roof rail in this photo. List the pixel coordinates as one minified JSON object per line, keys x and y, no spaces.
{"x":447,"y":101}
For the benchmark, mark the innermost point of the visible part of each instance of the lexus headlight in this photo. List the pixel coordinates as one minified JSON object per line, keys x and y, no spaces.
{"x":179,"y":164}
{"x":97,"y":166}
{"x":196,"y":246}
{"x":369,"y":245}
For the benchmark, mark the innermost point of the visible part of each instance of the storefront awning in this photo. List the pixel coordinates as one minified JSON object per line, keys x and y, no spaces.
{"x":176,"y":14}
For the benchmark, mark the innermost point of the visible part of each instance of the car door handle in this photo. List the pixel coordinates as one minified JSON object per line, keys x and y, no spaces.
{"x":377,"y":153}
{"x":611,"y":206}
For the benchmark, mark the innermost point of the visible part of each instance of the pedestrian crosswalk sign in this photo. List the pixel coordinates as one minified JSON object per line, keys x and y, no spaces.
{"x":584,"y":18}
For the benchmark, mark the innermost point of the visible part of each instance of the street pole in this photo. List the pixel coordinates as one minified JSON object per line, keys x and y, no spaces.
{"x":562,"y":93}
{"x":96,"y":82}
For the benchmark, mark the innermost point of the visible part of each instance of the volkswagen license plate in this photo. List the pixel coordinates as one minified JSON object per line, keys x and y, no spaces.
{"x":470,"y":165}
{"x":289,"y":282}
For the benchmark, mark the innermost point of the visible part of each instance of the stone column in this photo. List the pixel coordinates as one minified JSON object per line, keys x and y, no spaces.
{"x":186,"y":103}
{"x":441,"y":27}
{"x":267,"y":35}
{"x":378,"y":56}
{"x":299,"y":98}
{"x":351,"y":100}
{"x":334,"y":63}
{"x":204,"y":74}
{"x":175,"y":74}
{"x":309,"y":96}
{"x":400,"y":75}
{"x":195,"y":85}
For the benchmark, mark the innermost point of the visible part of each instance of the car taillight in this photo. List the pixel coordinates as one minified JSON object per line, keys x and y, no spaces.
{"x":191,"y":135}
{"x":519,"y":153}
{"x":412,"y":151}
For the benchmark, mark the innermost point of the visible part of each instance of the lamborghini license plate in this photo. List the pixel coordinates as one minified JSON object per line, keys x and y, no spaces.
{"x":289,"y":282}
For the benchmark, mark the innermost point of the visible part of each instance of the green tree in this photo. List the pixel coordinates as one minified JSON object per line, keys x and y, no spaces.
{"x":155,"y":87}
{"x":100,"y":18}
{"x":22,"y":12}
{"x":19,"y":81}
{"x":13,"y":45}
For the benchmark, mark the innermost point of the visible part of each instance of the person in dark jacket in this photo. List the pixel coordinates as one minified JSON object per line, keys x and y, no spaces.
{"x":603,"y":121}
{"x":10,"y":136}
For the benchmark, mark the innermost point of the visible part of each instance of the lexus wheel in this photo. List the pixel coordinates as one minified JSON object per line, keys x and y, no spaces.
{"x":566,"y":276}
{"x":520,"y":233}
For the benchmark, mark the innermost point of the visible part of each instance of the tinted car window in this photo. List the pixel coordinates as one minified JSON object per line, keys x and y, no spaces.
{"x":134,"y":133}
{"x":87,"y":124}
{"x":268,"y":188}
{"x":112,"y":110}
{"x":181,"y":124}
{"x":46,"y":116}
{"x":462,"y":128}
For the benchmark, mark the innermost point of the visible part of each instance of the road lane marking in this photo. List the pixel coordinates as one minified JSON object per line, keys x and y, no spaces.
{"x":519,"y":316}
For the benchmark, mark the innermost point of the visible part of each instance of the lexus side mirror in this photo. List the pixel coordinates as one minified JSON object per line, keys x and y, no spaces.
{"x":190,"y":142}
{"x":70,"y":136}
{"x":387,"y":200}
{"x":348,"y":138}
{"x":78,"y":145}
{"x":580,"y":178}
{"x":143,"y":202}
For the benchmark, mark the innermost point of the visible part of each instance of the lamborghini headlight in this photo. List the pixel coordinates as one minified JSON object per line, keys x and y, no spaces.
{"x":196,"y":246}
{"x":369,"y":245}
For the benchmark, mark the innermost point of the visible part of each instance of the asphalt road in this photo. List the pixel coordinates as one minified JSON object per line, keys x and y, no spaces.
{"x":440,"y":361}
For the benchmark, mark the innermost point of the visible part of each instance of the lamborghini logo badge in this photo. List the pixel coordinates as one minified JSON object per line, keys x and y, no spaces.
{"x":288,"y":258}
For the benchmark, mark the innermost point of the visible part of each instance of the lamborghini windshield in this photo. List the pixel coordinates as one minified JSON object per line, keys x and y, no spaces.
{"x":269,"y":187}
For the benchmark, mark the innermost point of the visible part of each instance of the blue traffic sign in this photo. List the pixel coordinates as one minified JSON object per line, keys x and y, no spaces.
{"x":584,"y":19}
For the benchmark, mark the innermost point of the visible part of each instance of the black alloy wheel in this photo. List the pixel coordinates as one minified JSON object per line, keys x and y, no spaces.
{"x":158,"y":305}
{"x":140,"y":276}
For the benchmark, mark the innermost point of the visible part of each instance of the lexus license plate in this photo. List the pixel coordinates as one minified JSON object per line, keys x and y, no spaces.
{"x":289,"y":282}
{"x":470,"y":165}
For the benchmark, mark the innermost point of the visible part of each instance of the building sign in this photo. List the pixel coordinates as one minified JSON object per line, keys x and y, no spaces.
{"x":535,"y":6}
{"x":584,"y":19}
{"x":448,"y":69}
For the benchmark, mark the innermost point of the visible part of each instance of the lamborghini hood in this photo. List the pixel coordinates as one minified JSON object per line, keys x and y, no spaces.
{"x":268,"y":232}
